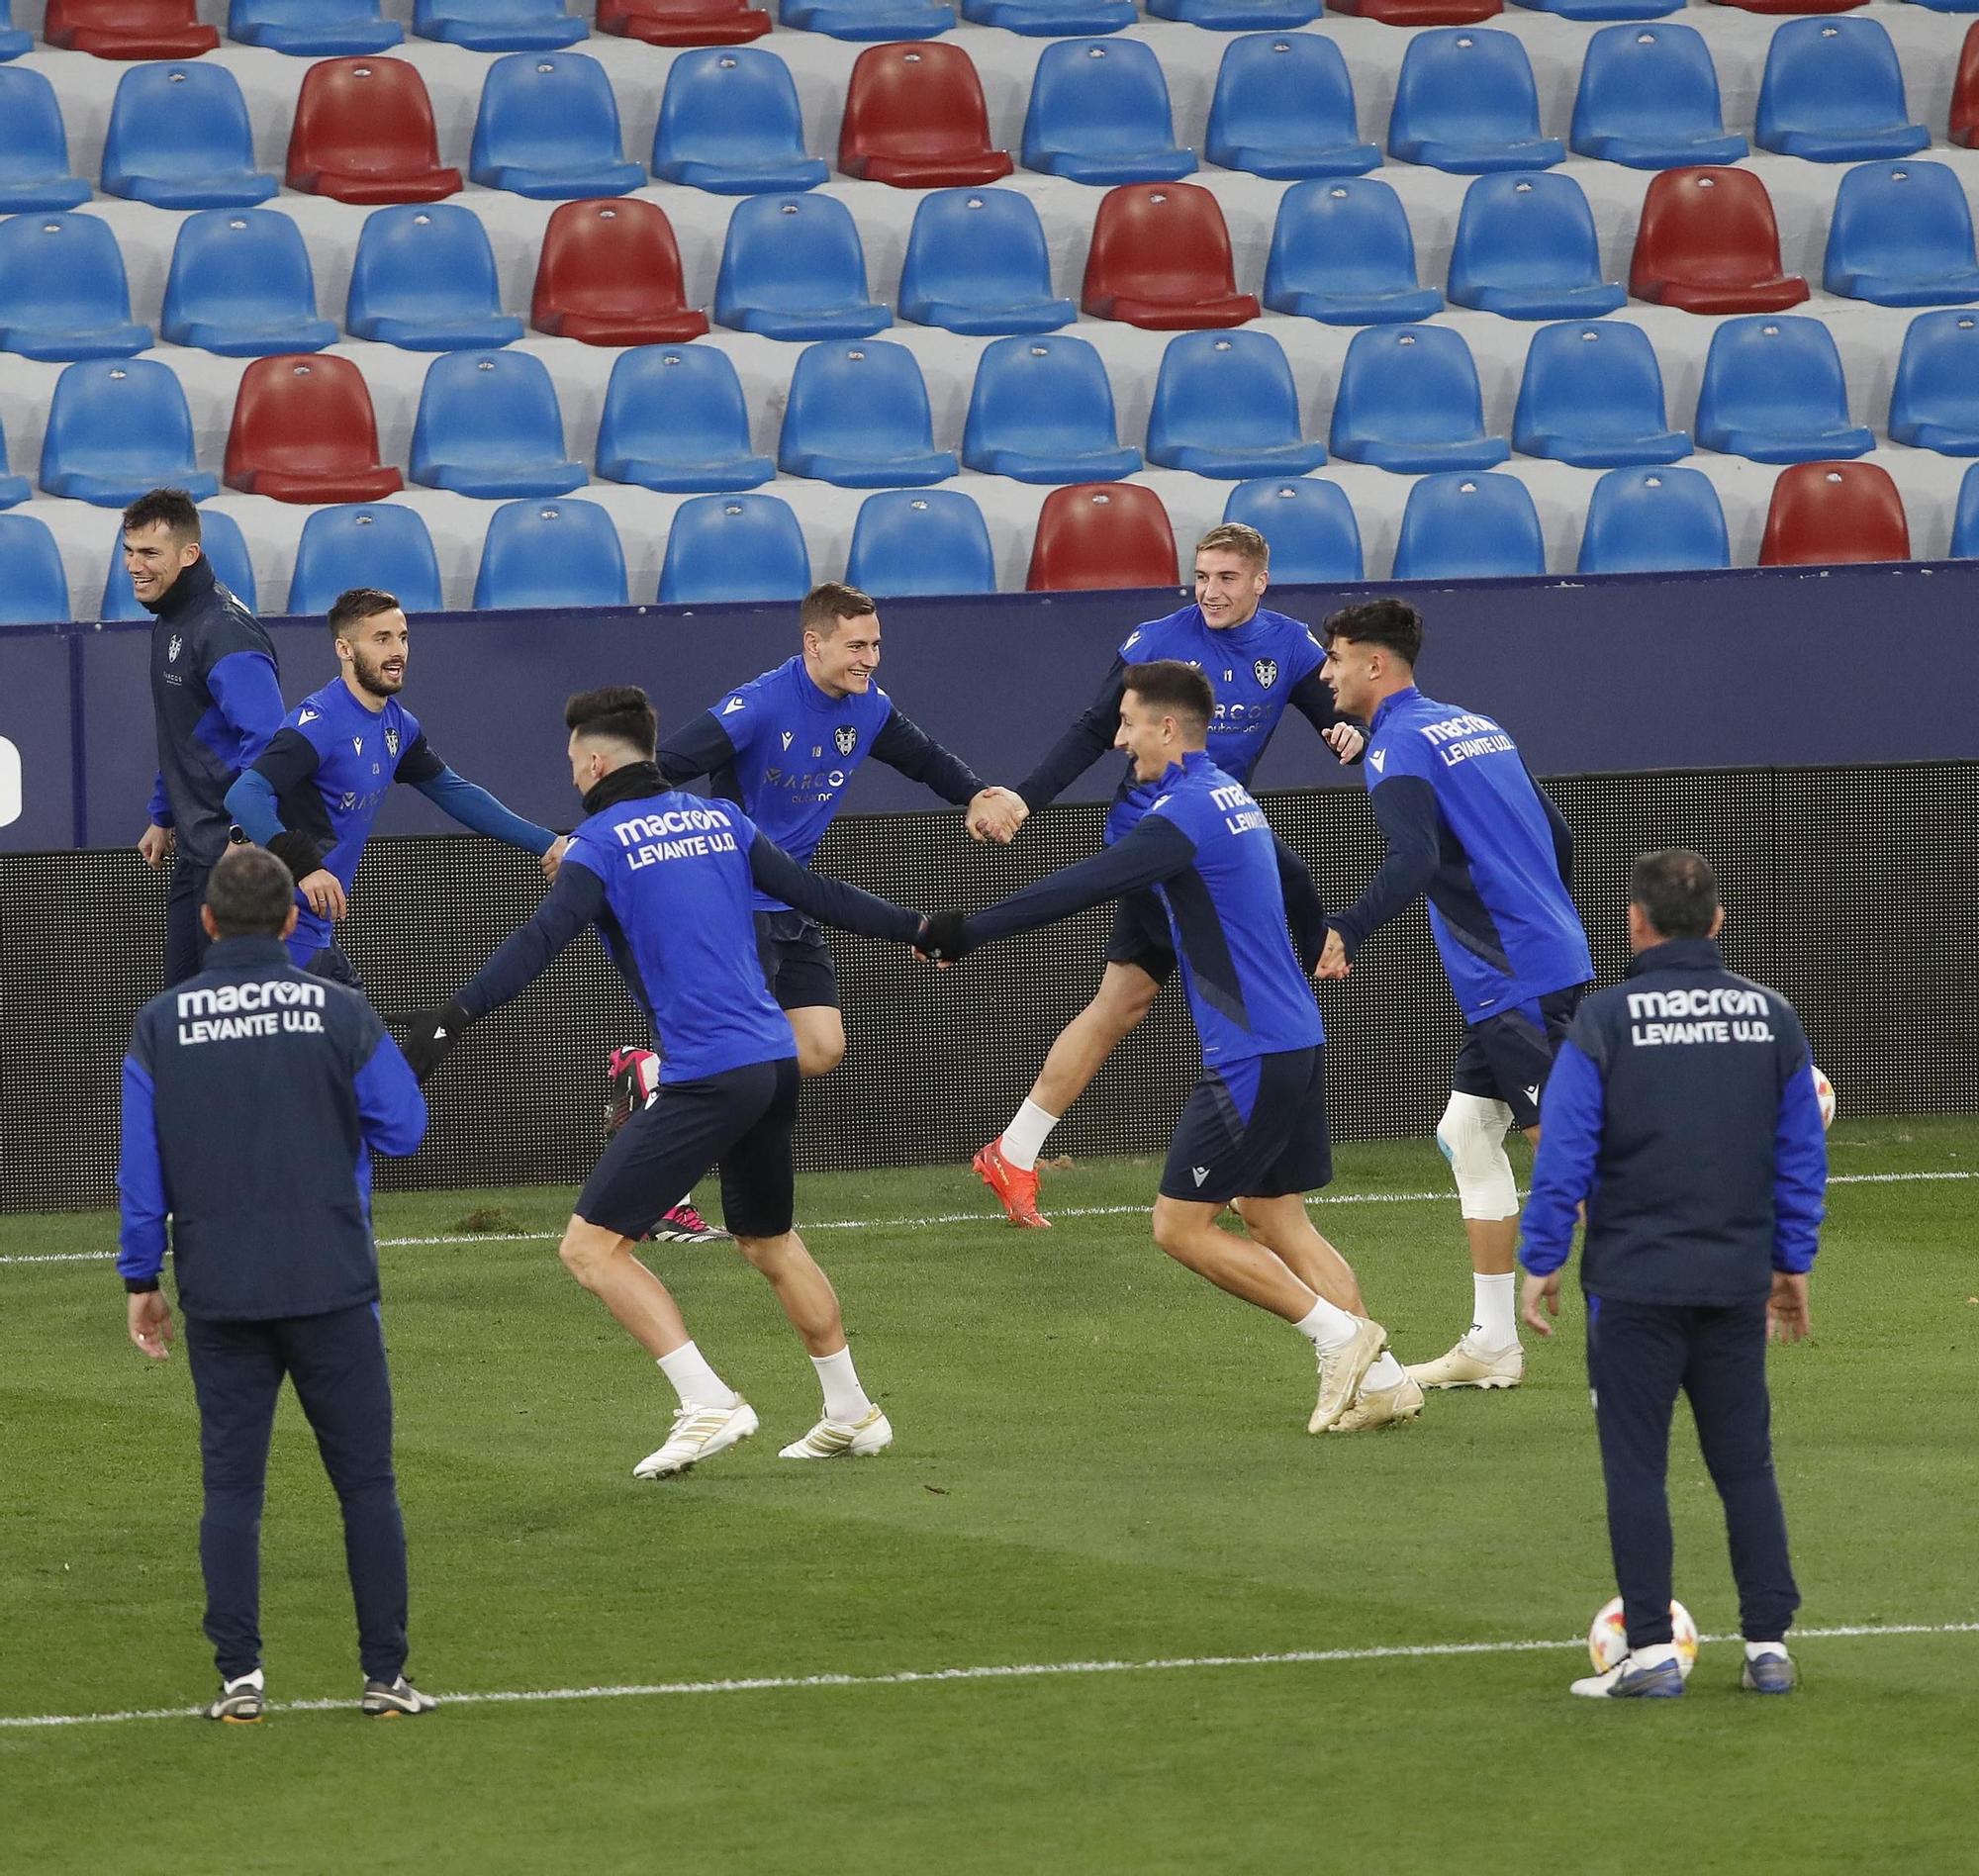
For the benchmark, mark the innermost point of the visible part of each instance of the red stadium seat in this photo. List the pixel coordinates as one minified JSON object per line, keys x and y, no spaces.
{"x":916,"y":117}
{"x":609,"y":274}
{"x":1792,"y":6}
{"x":1160,"y":259}
{"x":1421,"y":12}
{"x":1832,"y":514}
{"x":304,"y":432}
{"x":1102,"y":535}
{"x":1708,"y":243}
{"x":1964,"y":126}
{"x":129,"y":28}
{"x":683,"y":21}
{"x":364,"y":133}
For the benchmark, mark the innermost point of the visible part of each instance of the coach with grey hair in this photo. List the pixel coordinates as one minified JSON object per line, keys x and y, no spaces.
{"x":254,"y":1094}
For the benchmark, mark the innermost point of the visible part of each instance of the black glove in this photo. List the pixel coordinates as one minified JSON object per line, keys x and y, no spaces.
{"x":432,"y":1035}
{"x":941,"y":939}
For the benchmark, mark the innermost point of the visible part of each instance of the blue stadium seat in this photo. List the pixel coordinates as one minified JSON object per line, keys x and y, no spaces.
{"x":910,"y":543}
{"x":1225,"y":404}
{"x":1409,"y":401}
{"x":1465,"y":102}
{"x":179,"y":139}
{"x":13,"y":40}
{"x":548,"y":127}
{"x":1459,"y":527}
{"x":1042,"y":411}
{"x":34,"y":589}
{"x":1654,"y":520}
{"x":858,"y":415}
{"x":313,"y":29}
{"x":240,"y":285}
{"x":1964,"y":522}
{"x":734,"y":547}
{"x":1602,"y":9}
{"x":498,"y":25}
{"x":1593,"y":396}
{"x":365,"y":543}
{"x":675,"y":420}
{"x":1099,"y":112}
{"x":115,"y":428}
{"x":1773,"y":391}
{"x":488,"y":425}
{"x":1526,"y":249}
{"x":1284,"y":108}
{"x":1834,"y":93}
{"x":544,"y":555}
{"x":1310,"y":524}
{"x":424,"y":280}
{"x":1342,"y":251}
{"x":34,"y":146}
{"x":62,"y":291}
{"x":12,"y":488}
{"x":1934,"y":402}
{"x":976,"y":263}
{"x":1051,"y":18}
{"x":731,"y":122}
{"x":1236,"y":16}
{"x":1649,"y":99}
{"x":792,"y":267}
{"x":219,"y":541}
{"x":1901,"y":234}
{"x":870,"y":18}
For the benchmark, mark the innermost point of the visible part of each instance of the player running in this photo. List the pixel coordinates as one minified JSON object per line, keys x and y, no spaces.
{"x":1465,"y":822}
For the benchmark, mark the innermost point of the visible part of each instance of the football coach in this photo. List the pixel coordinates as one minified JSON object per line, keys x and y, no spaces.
{"x":1682,"y":1112}
{"x":253,"y":1097}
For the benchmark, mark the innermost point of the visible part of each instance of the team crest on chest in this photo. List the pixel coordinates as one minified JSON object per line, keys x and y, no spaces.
{"x":1266,"y":671}
{"x":392,"y":744}
{"x":172,"y":649}
{"x":846,"y":737}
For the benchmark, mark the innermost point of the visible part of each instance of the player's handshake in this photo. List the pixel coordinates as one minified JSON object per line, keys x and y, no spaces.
{"x":942,"y":939}
{"x":432,"y":1035}
{"x":997,"y":813}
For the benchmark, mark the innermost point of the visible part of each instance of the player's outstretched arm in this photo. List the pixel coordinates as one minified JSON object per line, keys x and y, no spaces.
{"x":1156,"y":850}
{"x":467,"y":802}
{"x":1304,"y":912}
{"x":995,"y":814}
{"x":1090,"y":737}
{"x":830,"y":901}
{"x":700,"y":746}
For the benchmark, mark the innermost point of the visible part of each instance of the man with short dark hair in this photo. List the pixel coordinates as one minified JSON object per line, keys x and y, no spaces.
{"x":1682,"y":1114}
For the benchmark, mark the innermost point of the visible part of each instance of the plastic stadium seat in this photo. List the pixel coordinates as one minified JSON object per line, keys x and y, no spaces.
{"x":543,"y":556}
{"x":1791,"y":6}
{"x":1465,"y":102}
{"x":220,"y":541}
{"x":1526,"y":249}
{"x":1593,"y":396}
{"x":1963,"y":125}
{"x":1310,"y":526}
{"x":1901,"y":234}
{"x":34,"y":589}
{"x":1051,"y":18}
{"x":423,"y":279}
{"x":1834,"y":92}
{"x":1099,"y":112}
{"x":910,"y":543}
{"x":858,"y":415}
{"x":976,"y":263}
{"x":34,"y":146}
{"x":1708,"y":243}
{"x":363,"y":544}
{"x":1236,"y":16}
{"x":312,"y":29}
{"x":1225,"y":404}
{"x":363,"y":132}
{"x":498,"y":25}
{"x":1654,"y":520}
{"x":1934,"y":402}
{"x":870,"y":18}
{"x":1284,"y":108}
{"x":304,"y":432}
{"x":1160,"y":259}
{"x":1042,"y":411}
{"x":1773,"y":391}
{"x":609,"y":274}
{"x":63,"y":290}
{"x":488,"y":425}
{"x":731,"y":122}
{"x":1649,"y":98}
{"x":1420,"y":11}
{"x":12,"y":488}
{"x":115,"y":428}
{"x":1409,"y":401}
{"x":1604,"y":9}
{"x":1100,"y":537}
{"x":683,"y":21}
{"x":915,"y":118}
{"x":179,"y":139}
{"x":1964,"y":522}
{"x":129,"y":29}
{"x":1834,"y":514}
{"x":792,"y":267}
{"x":675,"y":420}
{"x":1459,"y":527}
{"x":13,"y":40}
{"x":548,"y":127}
{"x":725,"y":547}
{"x":240,"y":285}
{"x":1341,"y":252}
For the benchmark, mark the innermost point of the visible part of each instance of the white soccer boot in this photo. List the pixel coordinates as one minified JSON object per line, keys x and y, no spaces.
{"x":1341,"y":1370}
{"x":1381,"y":1407}
{"x":843,"y":1439}
{"x":698,"y":1432}
{"x":1469,"y":1366}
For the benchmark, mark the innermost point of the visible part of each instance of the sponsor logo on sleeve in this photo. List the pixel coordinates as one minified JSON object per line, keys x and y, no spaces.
{"x":1377,"y":759}
{"x":733,"y":705}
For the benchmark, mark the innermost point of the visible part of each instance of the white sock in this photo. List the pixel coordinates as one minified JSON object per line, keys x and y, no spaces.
{"x":1024,"y":1138}
{"x":1327,"y":1326}
{"x":844,"y":1400}
{"x":255,"y":1679}
{"x":1655,"y":1655}
{"x":1385,"y":1373}
{"x":1758,"y":1650}
{"x":695,"y":1381}
{"x":1493,"y":1328}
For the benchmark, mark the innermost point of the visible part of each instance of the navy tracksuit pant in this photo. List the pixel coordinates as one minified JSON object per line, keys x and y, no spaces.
{"x":337,"y":1364}
{"x":1639,"y":1355}
{"x":185,"y":937}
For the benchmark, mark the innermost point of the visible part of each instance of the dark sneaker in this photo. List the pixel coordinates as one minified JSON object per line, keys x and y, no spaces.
{"x":685,"y":1225}
{"x":1769,"y":1674}
{"x":387,"y":1700}
{"x":239,"y":1702}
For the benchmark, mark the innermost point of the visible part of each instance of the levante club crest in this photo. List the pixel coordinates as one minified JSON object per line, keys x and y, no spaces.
{"x":846,"y":737}
{"x":1266,"y":670}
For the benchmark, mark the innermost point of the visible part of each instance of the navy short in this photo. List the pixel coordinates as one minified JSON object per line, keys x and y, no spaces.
{"x":797,"y":962}
{"x":1508,"y":1057}
{"x":1255,"y":1128}
{"x":1142,"y":936}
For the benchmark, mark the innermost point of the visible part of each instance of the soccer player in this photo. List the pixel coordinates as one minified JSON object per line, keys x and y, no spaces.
{"x":1254,"y":1134}
{"x":1465,"y":822}
{"x":1258,"y":663}
{"x":668,"y":879}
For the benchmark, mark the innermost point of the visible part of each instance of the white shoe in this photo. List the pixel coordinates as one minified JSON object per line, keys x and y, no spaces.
{"x":1381,"y":1407}
{"x":698,"y":1432}
{"x":1341,"y":1370}
{"x":843,"y":1439}
{"x":1469,"y":1366}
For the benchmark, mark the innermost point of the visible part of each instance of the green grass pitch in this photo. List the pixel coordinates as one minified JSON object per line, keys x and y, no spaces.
{"x":1100,"y":1459}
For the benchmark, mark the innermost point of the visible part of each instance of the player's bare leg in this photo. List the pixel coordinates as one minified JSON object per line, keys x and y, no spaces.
{"x":1286,"y":1229}
{"x":821,"y":1034}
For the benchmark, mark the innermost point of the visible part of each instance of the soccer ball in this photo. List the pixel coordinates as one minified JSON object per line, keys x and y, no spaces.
{"x":1608,"y":1638}
{"x":1824,"y":1094}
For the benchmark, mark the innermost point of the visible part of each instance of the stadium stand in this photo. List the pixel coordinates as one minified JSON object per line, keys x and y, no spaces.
{"x":1962,"y":125}
{"x":1420,"y":13}
{"x":313,"y":29}
{"x":1160,"y":259}
{"x":1654,"y":520}
{"x":365,"y":544}
{"x":13,"y":40}
{"x":731,"y":122}
{"x":1834,"y":93}
{"x":683,"y":21}
{"x":542,"y":556}
{"x":242,"y":286}
{"x":1966,"y":525}
{"x":304,"y":430}
{"x":1526,"y":249}
{"x":1051,"y":18}
{"x":1708,"y":243}
{"x":1592,"y":395}
{"x":548,"y":127}
{"x":675,"y":420}
{"x":498,"y":25}
{"x":364,"y":131}
{"x":915,"y":118}
{"x":609,"y":274}
{"x":179,"y":139}
{"x":34,"y":589}
{"x":1465,"y":102}
{"x":1649,"y":98}
{"x":1901,"y":234}
{"x":1775,"y":391}
{"x":34,"y":146}
{"x":129,"y":29}
{"x":869,"y":19}
{"x":1102,"y":535}
{"x":423,"y":278}
{"x":929,"y":542}
{"x":1459,"y":527}
{"x":1835,"y":514}
{"x":1284,"y":108}
{"x":63,"y":290}
{"x":1342,"y":252}
{"x":792,"y":267}
{"x":1041,"y":410}
{"x":976,"y":263}
{"x":12,"y":488}
{"x":1099,"y":112}
{"x":490,"y":425}
{"x":1310,"y":524}
{"x":1409,"y":401}
{"x":1225,"y":405}
{"x":858,"y":415}
{"x":1236,"y":16}
{"x":117,"y":427}
{"x":725,"y":547}
{"x":1934,"y":402}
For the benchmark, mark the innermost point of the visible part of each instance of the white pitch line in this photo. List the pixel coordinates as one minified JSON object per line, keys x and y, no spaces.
{"x":916,"y":1677}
